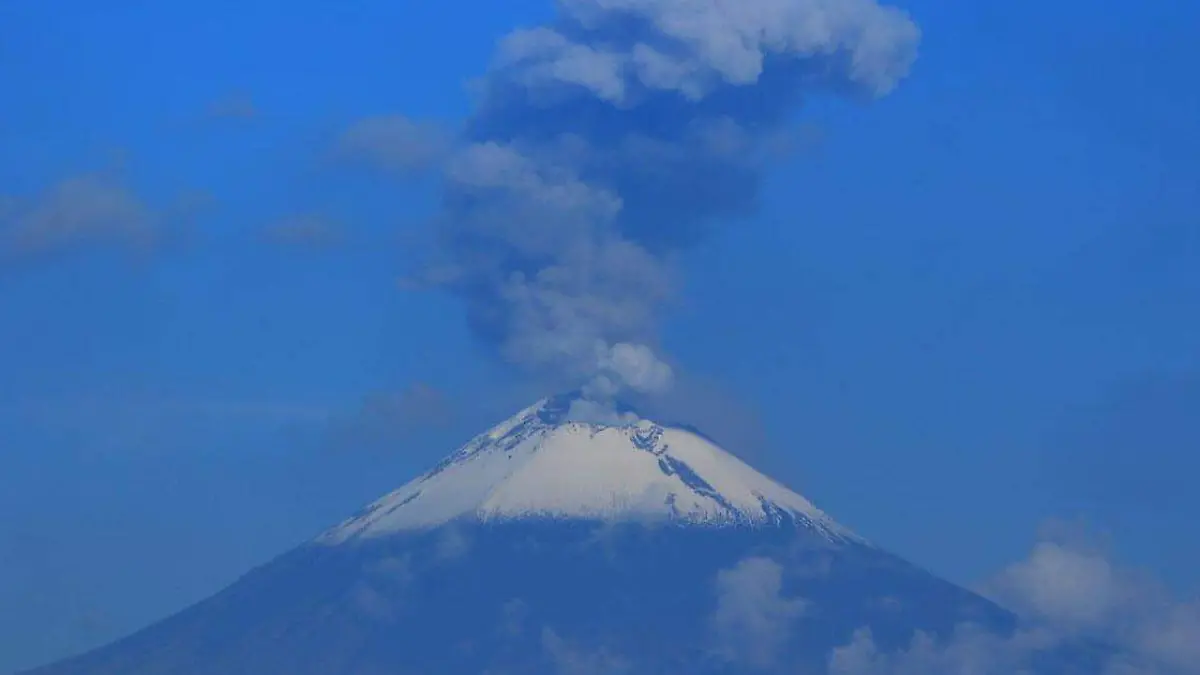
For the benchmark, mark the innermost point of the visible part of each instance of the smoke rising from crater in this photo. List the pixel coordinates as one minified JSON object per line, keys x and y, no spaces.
{"x":610,"y":139}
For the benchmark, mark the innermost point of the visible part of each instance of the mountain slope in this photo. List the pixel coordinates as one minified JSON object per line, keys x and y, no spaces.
{"x":556,"y":545}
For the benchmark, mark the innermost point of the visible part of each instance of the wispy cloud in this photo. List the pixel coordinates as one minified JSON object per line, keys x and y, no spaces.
{"x":311,"y":230}
{"x":120,"y":423}
{"x":382,"y":420}
{"x":90,"y":209}
{"x":970,"y":651}
{"x":569,"y":658}
{"x":89,"y":412}
{"x":386,"y":419}
{"x":394,"y":143}
{"x":235,"y":106}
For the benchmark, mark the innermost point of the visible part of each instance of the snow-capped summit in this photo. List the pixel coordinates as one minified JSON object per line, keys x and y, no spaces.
{"x":567,"y":459}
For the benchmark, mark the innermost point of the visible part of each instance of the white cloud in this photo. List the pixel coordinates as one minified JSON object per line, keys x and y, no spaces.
{"x":1072,"y":589}
{"x":571,"y":659}
{"x":82,"y":210}
{"x":306,"y":230}
{"x":394,"y":143}
{"x":452,"y":544}
{"x":753,"y":618}
{"x":1075,"y":603}
{"x":970,"y":651}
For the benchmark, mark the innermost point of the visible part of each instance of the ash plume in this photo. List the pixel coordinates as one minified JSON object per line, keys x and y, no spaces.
{"x":610,"y":139}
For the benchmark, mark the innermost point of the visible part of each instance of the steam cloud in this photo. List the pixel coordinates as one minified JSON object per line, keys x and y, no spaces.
{"x":610,"y":139}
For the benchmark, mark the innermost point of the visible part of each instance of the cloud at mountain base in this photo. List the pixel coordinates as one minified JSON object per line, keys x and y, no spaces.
{"x":753,"y":618}
{"x":1075,"y":603}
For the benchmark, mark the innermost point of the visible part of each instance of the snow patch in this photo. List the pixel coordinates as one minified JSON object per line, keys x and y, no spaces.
{"x":567,"y":459}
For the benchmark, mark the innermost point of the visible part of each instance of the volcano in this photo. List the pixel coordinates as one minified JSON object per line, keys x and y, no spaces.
{"x":561,"y":541}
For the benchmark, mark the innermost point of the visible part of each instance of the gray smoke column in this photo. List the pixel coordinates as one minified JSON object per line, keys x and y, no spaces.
{"x":612,"y":138}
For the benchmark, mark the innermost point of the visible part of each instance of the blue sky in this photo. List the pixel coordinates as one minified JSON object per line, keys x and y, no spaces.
{"x":958,"y":311}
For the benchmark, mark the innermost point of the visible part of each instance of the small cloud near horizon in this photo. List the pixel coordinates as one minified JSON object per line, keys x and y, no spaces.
{"x":236,"y":106}
{"x":394,"y":143}
{"x":313,"y":231}
{"x":82,"y":210}
{"x":1068,"y":593}
{"x":390,"y":417}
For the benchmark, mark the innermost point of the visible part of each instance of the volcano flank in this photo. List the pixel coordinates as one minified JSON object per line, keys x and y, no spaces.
{"x":551,"y":544}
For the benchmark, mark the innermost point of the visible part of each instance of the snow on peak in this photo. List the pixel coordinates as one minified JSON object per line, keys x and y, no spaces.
{"x":568,"y":459}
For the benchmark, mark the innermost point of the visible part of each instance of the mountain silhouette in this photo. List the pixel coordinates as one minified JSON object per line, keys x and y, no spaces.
{"x":570,"y":538}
